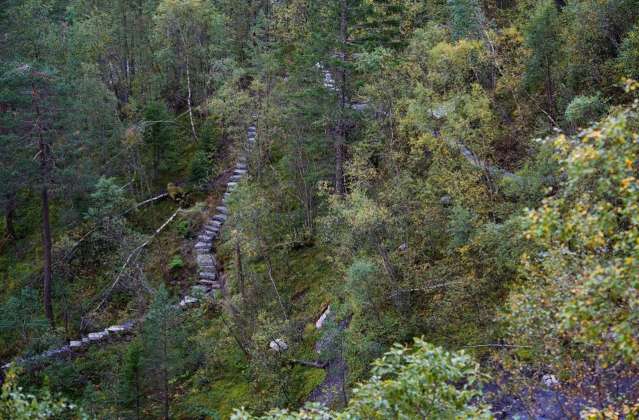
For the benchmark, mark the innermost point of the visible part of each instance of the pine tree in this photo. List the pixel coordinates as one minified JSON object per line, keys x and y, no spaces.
{"x":163,"y":344}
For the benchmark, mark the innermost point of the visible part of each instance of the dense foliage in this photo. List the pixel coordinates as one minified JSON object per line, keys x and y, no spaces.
{"x":463,"y":171}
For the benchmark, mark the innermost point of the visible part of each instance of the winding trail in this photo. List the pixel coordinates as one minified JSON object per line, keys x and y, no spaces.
{"x":332,"y":389}
{"x":209,"y":278}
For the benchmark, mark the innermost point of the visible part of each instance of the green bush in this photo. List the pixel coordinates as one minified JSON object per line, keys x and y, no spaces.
{"x":581,"y":273}
{"x":200,"y":167}
{"x":176,"y":263}
{"x":583,"y":110}
{"x":424,"y":382}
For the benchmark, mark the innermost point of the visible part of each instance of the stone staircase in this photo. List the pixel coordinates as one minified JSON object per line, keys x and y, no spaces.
{"x":209,"y":279}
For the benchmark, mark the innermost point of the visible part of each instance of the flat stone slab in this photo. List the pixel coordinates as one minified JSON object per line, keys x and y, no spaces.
{"x":116,"y":329}
{"x":203,"y":245}
{"x":209,"y":284}
{"x":188,"y":300}
{"x":205,"y":260}
{"x":220,"y":218}
{"x":96,"y":336}
{"x":208,"y":275}
{"x":75,"y":344}
{"x":199,"y":289}
{"x":222,"y":209}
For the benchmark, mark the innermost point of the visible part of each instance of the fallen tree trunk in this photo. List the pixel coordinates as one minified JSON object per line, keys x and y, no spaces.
{"x":132,"y":256}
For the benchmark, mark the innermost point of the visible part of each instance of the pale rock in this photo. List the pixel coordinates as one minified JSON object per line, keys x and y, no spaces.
{"x":188,"y":300}
{"x":278,"y":345}
{"x":550,"y":380}
{"x":320,"y":322}
{"x":115,"y":329}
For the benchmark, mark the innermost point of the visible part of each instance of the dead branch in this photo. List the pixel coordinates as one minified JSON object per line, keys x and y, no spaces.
{"x":132,"y":256}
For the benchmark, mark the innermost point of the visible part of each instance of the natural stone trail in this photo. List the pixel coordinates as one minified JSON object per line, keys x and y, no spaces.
{"x":209,"y":279}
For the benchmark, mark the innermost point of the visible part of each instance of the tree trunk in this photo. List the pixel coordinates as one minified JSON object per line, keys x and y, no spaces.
{"x":550,"y":90}
{"x":238,"y":269}
{"x":339,"y":160}
{"x":138,"y":406}
{"x":43,"y":153}
{"x":340,"y":131}
{"x":46,"y":243}
{"x":390,"y":270}
{"x":277,"y":292}
{"x":9,"y":215}
{"x":165,"y":371}
{"x":189,"y":100}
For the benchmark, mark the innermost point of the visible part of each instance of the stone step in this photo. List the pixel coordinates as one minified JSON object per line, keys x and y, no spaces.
{"x":214,"y":224}
{"x":203,"y":246}
{"x":220,"y":218}
{"x":208,"y":275}
{"x":206,"y":260}
{"x":115,"y":329}
{"x":235,"y":178}
{"x":211,"y":284}
{"x":199,"y":289}
{"x":241,"y":166}
{"x":97,"y":336}
{"x":240,"y":172}
{"x":75,"y":344}
{"x":231,"y":186}
{"x":208,"y":238}
{"x":188,"y":300}
{"x":222,"y":209}
{"x":212,"y":231}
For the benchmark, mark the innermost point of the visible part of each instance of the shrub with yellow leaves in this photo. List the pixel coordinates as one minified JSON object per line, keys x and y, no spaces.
{"x":579,"y":298}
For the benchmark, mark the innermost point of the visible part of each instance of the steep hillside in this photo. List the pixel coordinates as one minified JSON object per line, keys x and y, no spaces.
{"x":319,"y":209}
